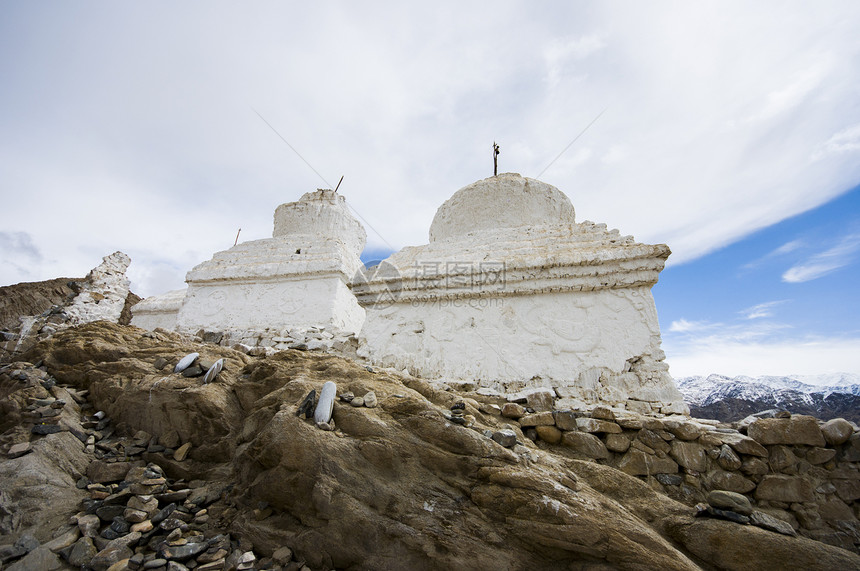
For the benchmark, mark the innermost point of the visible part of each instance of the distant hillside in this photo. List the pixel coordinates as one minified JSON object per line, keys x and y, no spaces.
{"x":732,"y":398}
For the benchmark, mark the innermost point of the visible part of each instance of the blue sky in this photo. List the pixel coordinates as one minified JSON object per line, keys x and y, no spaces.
{"x":785,"y":296}
{"x":726,"y":130}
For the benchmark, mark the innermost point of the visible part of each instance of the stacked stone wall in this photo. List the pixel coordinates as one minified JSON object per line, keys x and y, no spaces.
{"x":800,"y":476}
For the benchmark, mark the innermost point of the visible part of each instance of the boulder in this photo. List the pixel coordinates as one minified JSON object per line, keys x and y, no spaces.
{"x":735,"y":502}
{"x":837,"y":431}
{"x":729,"y":481}
{"x":639,"y":463}
{"x":689,"y":455}
{"x":788,"y":489}
{"x":597,"y":425}
{"x":586,"y":444}
{"x":799,"y":429}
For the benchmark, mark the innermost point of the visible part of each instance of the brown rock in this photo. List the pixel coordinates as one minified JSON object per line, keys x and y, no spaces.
{"x":799,"y":429}
{"x":565,"y":419}
{"x":835,"y":510}
{"x":17,"y":450}
{"x":170,"y":439}
{"x":549,"y":434}
{"x":781,"y":458}
{"x":537,"y":419}
{"x":742,"y":444}
{"x":41,"y":559}
{"x":182,"y":452}
{"x":851,"y":449}
{"x":602,"y":413}
{"x":689,"y":455}
{"x":780,"y":488}
{"x":638,"y":463}
{"x":617,"y":442}
{"x":755,"y":549}
{"x":82,"y":552}
{"x":652,"y":440}
{"x":541,"y":400}
{"x":103,"y":472}
{"x":586,"y":444}
{"x":729,"y":481}
{"x":733,"y":501}
{"x":728,"y":459}
{"x":513,"y":410}
{"x":596,"y":425}
{"x":837,"y":431}
{"x":683,"y":430}
{"x":817,"y":455}
{"x":847,"y":490}
{"x":754,"y":466}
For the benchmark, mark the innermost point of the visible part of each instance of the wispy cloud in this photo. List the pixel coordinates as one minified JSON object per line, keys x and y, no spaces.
{"x":684,"y":326}
{"x":761,"y":310}
{"x":19,"y":244}
{"x":824,"y":262}
{"x":845,"y":141}
{"x":786,"y":248}
{"x":559,"y":53}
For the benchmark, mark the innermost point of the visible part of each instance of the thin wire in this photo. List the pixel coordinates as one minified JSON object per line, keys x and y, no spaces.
{"x":292,"y":147}
{"x":387,"y":243}
{"x":581,"y":133}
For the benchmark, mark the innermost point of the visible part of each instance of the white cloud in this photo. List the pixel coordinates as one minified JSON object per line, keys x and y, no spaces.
{"x":845,"y":141}
{"x":786,"y":248}
{"x":761,"y":310}
{"x":684,"y":326}
{"x":824,"y":262}
{"x":141,"y":136}
{"x":560,"y":52}
{"x":771,"y":357}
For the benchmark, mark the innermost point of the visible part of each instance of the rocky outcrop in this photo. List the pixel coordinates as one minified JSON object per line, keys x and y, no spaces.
{"x":33,"y":311}
{"x":420,"y":476}
{"x":33,"y":299}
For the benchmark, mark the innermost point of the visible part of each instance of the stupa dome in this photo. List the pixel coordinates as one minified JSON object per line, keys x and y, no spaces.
{"x":508,"y":200}
{"x":322,"y":215}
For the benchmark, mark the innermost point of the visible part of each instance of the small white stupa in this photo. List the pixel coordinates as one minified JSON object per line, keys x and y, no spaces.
{"x":512,"y":293}
{"x":295,"y":280}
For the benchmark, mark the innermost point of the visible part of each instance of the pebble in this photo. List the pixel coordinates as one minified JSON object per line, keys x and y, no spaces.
{"x":370,"y":400}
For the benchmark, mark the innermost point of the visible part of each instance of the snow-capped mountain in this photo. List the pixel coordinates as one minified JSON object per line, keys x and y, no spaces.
{"x":733,"y":398}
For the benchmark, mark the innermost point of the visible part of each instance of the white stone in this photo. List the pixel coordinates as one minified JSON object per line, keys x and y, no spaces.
{"x":185,"y":362}
{"x":325,"y":404}
{"x":213,"y":371}
{"x":511,"y":292}
{"x":158,"y":310}
{"x":296,"y":279}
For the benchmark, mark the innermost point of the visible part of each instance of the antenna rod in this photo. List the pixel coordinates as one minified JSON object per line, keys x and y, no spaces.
{"x":338,"y":183}
{"x":237,"y":237}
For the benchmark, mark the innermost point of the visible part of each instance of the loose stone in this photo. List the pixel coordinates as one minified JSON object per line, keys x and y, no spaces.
{"x":326,"y":403}
{"x":185,"y":362}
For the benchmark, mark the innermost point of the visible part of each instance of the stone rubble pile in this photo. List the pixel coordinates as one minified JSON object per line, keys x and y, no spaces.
{"x":132,"y":516}
{"x":801,"y":475}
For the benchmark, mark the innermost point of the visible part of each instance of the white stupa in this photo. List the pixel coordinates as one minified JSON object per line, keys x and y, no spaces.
{"x":295,"y":280}
{"x":513,"y":293}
